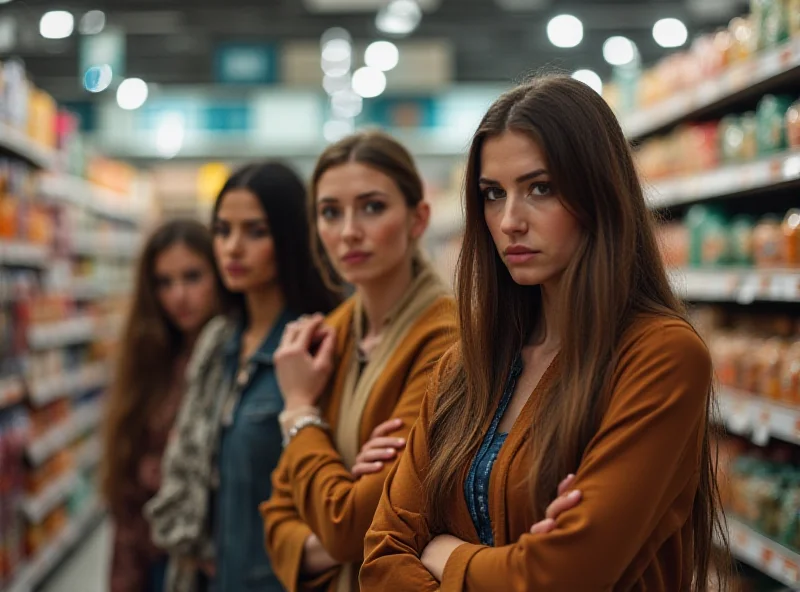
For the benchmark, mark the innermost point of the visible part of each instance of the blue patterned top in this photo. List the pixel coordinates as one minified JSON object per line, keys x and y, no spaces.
{"x":476,"y":487}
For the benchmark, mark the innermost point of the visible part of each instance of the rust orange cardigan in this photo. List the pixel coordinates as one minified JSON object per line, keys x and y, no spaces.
{"x":639,"y":476}
{"x":313,"y":491}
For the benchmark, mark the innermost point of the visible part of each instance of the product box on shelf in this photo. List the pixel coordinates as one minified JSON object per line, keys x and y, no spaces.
{"x":13,"y":435}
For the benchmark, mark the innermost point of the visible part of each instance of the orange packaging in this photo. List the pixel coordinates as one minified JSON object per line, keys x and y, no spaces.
{"x":750,"y":366}
{"x":791,"y":238}
{"x":8,"y":217}
{"x":768,"y":242}
{"x":790,"y":375}
{"x":793,"y":124}
{"x":771,"y":354}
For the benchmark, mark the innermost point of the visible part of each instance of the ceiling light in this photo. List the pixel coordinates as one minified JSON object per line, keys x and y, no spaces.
{"x":337,"y":56}
{"x":334,"y":84}
{"x":618,"y":51}
{"x":589,"y":78}
{"x":56,"y":24}
{"x":565,"y":30}
{"x":369,"y":82}
{"x":336,"y":129}
{"x":670,"y":32}
{"x":382,"y":55}
{"x":98,"y":78}
{"x":170,"y":135}
{"x":399,"y":17}
{"x":346,"y":104}
{"x":132,"y":93}
{"x":92,"y":23}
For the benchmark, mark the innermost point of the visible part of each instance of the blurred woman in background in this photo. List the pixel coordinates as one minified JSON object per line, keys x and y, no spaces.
{"x":353,"y":384}
{"x":227,"y":442}
{"x":177,"y":291}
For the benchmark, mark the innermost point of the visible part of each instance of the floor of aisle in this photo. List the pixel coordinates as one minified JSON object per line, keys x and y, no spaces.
{"x":86,"y":570}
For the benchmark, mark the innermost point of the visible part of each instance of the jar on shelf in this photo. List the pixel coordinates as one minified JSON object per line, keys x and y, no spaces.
{"x":768,"y":242}
{"x":714,"y":250}
{"x":749,"y":146}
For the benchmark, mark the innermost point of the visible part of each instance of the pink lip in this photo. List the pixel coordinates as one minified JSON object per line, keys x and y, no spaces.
{"x":355,"y":257}
{"x":520,"y":254}
{"x":234,"y":269}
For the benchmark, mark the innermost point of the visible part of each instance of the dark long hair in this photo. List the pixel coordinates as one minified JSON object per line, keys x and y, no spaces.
{"x":374,"y":149}
{"x":150,"y":344}
{"x":283,"y":198}
{"x":616,"y":273}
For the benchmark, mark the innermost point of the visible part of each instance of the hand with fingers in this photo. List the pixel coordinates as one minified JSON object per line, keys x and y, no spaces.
{"x":304,"y":361}
{"x":379,"y":449}
{"x":567,"y":499}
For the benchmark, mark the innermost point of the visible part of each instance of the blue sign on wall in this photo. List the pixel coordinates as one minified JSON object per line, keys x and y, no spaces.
{"x":226,"y":116}
{"x":246,"y":63}
{"x":401,"y":112}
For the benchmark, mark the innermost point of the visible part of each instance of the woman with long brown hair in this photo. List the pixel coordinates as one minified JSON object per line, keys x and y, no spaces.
{"x":574,"y":357}
{"x":353,"y":383}
{"x":177,"y":291}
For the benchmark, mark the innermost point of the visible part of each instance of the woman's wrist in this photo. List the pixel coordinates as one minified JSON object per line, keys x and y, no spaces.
{"x":290,"y":415}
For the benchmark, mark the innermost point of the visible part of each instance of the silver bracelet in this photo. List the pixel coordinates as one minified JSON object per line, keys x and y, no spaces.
{"x":304,"y":422}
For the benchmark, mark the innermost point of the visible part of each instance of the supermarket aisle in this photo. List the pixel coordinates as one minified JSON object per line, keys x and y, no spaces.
{"x":87,"y":569}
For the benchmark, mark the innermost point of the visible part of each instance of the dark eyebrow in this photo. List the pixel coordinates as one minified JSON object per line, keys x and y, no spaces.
{"x":246,"y":222}
{"x":520,"y":179}
{"x":359,"y":197}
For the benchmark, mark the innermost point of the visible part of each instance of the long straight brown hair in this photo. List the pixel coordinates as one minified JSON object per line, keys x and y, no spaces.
{"x":616,"y":273}
{"x":149,"y":346}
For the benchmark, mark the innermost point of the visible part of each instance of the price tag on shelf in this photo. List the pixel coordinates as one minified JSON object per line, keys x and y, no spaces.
{"x":789,"y":168}
{"x":761,"y":429}
{"x":790,"y":571}
{"x":749,"y":288}
{"x":738,"y":419}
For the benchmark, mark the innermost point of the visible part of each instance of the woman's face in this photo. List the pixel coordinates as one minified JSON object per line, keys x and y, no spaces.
{"x":364,"y":223}
{"x":535,"y":235}
{"x":243,"y":243}
{"x":186,"y":287}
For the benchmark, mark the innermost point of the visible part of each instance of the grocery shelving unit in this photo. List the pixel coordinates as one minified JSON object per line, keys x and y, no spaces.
{"x":753,"y":416}
{"x":36,"y":391}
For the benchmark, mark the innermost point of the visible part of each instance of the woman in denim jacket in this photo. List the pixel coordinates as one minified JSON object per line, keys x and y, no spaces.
{"x":227,"y":440}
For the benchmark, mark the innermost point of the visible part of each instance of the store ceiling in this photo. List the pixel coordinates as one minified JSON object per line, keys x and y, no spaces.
{"x":173,"y":41}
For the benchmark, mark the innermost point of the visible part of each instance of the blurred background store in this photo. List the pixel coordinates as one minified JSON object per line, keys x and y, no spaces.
{"x":115,"y":115}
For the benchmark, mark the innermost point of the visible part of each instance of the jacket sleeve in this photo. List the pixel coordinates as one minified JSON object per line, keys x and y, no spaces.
{"x":285,"y":535}
{"x":337,"y":507}
{"x":399,"y":532}
{"x":639,"y":468}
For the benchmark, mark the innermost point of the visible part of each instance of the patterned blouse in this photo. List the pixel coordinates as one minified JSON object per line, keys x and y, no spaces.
{"x":134,"y":554}
{"x":476,"y":487}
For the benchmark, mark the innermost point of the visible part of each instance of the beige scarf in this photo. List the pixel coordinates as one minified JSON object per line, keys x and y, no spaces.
{"x":424,"y":290}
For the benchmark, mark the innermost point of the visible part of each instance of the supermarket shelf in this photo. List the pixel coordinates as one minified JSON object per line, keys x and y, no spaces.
{"x":89,"y":377}
{"x":12,"y":391}
{"x":16,"y":142}
{"x":88,"y":455}
{"x":764,"y":554}
{"x":32,"y":574}
{"x":22,"y":254}
{"x":59,"y":437}
{"x":745,"y":414}
{"x":61,"y":333}
{"x":38,"y":506}
{"x":80,"y":192}
{"x":91,"y":289}
{"x":742,"y":80}
{"x":737,"y":285}
{"x":117,"y":246}
{"x":727,"y":180}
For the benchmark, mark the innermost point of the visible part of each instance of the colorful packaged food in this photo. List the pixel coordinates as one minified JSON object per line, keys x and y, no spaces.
{"x":742,"y":47}
{"x":793,"y":124}
{"x":714,"y":249}
{"x":790,"y":512}
{"x":771,"y":118}
{"x":794,"y":17}
{"x":768,"y":242}
{"x":741,"y":240}
{"x":749,"y":126}
{"x":775,"y":28}
{"x":731,"y":138}
{"x":791,"y":237}
{"x":790,"y":374}
{"x":772,"y":354}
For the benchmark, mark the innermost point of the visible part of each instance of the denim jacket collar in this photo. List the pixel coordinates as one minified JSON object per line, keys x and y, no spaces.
{"x":265,"y":352}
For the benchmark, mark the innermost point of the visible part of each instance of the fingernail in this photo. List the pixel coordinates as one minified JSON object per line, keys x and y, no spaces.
{"x":573,"y":495}
{"x":570,"y":476}
{"x":390,"y":451}
{"x":379,"y":465}
{"x":401,"y":441}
